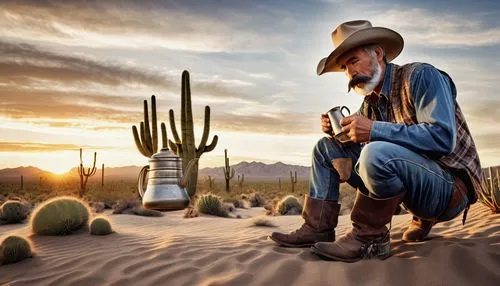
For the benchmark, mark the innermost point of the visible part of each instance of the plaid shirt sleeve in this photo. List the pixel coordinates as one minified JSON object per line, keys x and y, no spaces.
{"x":435,"y":132}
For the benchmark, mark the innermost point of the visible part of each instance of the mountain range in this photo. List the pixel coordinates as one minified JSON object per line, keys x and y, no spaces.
{"x":252,"y":170}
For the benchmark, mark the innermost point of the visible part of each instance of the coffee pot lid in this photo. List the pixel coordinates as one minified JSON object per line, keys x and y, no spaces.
{"x":163,"y":154}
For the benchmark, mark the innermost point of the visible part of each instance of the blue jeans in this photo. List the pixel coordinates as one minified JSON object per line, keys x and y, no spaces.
{"x":385,"y":169}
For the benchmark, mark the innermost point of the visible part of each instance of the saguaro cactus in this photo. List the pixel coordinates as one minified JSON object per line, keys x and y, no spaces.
{"x":84,"y":175}
{"x":293,"y":180}
{"x":102,"y":177}
{"x":211,"y":183}
{"x":184,"y":146}
{"x":228,"y":171}
{"x":22,"y":182}
{"x":147,"y":142}
{"x":240,"y":182}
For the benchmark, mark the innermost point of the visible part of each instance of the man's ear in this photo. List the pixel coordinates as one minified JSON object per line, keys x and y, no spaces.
{"x":380,"y":54}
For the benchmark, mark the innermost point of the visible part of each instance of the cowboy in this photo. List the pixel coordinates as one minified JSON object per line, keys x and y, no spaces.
{"x":410,"y":143}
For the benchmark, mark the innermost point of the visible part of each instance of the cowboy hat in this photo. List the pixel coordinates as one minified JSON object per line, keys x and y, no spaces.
{"x":355,"y":34}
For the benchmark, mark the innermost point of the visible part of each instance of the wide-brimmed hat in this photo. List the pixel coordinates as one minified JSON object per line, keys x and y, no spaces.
{"x":355,"y":34}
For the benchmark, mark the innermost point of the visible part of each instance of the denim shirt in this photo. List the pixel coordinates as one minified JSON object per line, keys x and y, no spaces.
{"x":434,"y":99}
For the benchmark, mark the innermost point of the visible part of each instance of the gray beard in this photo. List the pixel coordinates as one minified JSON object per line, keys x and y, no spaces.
{"x":370,"y":86}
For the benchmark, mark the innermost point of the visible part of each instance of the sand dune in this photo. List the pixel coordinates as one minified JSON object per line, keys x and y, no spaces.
{"x":206,"y":250}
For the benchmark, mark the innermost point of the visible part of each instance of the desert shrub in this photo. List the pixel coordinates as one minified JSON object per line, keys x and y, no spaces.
{"x":289,"y":205}
{"x":190,"y":212}
{"x":13,"y":212}
{"x":211,"y":204}
{"x":262,"y":221}
{"x":100,"y":226}
{"x":14,"y":248}
{"x":142,"y":211}
{"x":241,"y":204}
{"x":256,"y":200}
{"x":59,"y":216}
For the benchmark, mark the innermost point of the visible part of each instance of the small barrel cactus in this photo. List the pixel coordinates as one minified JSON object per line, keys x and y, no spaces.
{"x":100,"y":226}
{"x":14,"y":248}
{"x":212,"y":205}
{"x":289,"y":205}
{"x":59,"y":216}
{"x":13,"y":212}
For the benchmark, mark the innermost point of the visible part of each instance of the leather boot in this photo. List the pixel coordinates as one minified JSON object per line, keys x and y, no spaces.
{"x":369,"y":236}
{"x":418,"y":230}
{"x":320,"y":216}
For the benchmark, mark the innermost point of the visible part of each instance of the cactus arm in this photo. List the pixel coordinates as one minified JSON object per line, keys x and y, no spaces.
{"x":143,"y":140}
{"x":206,"y":131}
{"x":212,"y":145}
{"x":173,"y":146}
{"x":138,"y":143}
{"x":154,"y":125}
{"x":172,"y":126}
{"x":164,"y":139}
{"x":183,"y":107}
{"x":147,"y":132}
{"x":187,"y":114}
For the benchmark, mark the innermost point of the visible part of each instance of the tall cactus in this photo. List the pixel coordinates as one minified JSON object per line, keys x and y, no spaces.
{"x":184,"y":146}
{"x":228,"y":171}
{"x":240,"y":182}
{"x":85,"y":175}
{"x":293,"y":180}
{"x":211,"y":183}
{"x":147,"y":142}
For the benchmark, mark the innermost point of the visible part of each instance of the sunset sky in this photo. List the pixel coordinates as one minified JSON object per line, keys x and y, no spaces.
{"x":75,"y":75}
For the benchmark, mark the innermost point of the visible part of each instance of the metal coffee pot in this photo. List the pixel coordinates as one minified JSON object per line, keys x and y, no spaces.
{"x":335,"y":115}
{"x":166,"y":185}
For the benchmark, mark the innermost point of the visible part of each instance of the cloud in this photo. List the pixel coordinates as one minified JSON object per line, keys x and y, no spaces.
{"x":41,"y":147}
{"x":127,"y":24}
{"x":437,"y":29}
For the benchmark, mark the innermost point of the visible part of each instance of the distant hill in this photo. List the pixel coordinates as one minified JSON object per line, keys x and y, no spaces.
{"x":29,"y":174}
{"x":252,"y":171}
{"x":259,"y":171}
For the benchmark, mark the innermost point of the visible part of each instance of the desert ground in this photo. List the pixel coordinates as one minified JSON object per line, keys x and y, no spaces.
{"x":209,"y":250}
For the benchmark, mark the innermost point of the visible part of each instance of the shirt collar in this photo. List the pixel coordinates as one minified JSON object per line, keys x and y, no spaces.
{"x":386,"y":86}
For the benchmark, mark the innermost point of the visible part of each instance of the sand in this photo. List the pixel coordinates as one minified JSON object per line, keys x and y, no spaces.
{"x":207,"y":250}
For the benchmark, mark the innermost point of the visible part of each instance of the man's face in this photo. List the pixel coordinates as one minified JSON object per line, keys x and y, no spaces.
{"x":362,"y":69}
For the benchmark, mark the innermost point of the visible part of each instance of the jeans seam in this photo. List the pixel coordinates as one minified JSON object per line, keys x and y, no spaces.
{"x":418,"y":165}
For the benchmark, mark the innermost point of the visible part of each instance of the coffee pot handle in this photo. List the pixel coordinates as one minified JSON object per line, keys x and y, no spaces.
{"x":348,"y":111}
{"x":141,"y":181}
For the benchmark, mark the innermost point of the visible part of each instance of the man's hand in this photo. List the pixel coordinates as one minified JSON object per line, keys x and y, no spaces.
{"x":325,"y":124}
{"x":357,"y":128}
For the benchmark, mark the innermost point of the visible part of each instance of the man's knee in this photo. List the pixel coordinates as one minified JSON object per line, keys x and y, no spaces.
{"x":373,"y":158}
{"x":325,"y":145}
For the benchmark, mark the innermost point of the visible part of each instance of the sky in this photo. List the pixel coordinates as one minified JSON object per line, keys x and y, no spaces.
{"x":74,"y":74}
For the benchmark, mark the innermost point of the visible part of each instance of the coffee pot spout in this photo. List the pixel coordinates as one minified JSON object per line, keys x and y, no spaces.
{"x":184,"y":180}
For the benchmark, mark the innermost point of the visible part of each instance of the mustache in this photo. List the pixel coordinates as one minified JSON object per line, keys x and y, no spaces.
{"x":357,"y":80}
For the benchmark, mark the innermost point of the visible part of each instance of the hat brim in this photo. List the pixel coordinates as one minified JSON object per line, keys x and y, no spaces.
{"x":389,"y":40}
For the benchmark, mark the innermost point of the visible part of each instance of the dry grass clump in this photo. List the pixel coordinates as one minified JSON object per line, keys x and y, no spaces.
{"x":262,"y":221}
{"x":256,"y":200}
{"x":134,"y":207}
{"x":289,"y":205}
{"x":190,"y":212}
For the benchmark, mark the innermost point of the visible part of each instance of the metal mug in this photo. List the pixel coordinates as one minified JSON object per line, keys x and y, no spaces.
{"x":335,"y":115}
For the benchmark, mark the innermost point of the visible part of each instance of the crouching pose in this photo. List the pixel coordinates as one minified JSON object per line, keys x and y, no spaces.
{"x":409,"y":145}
